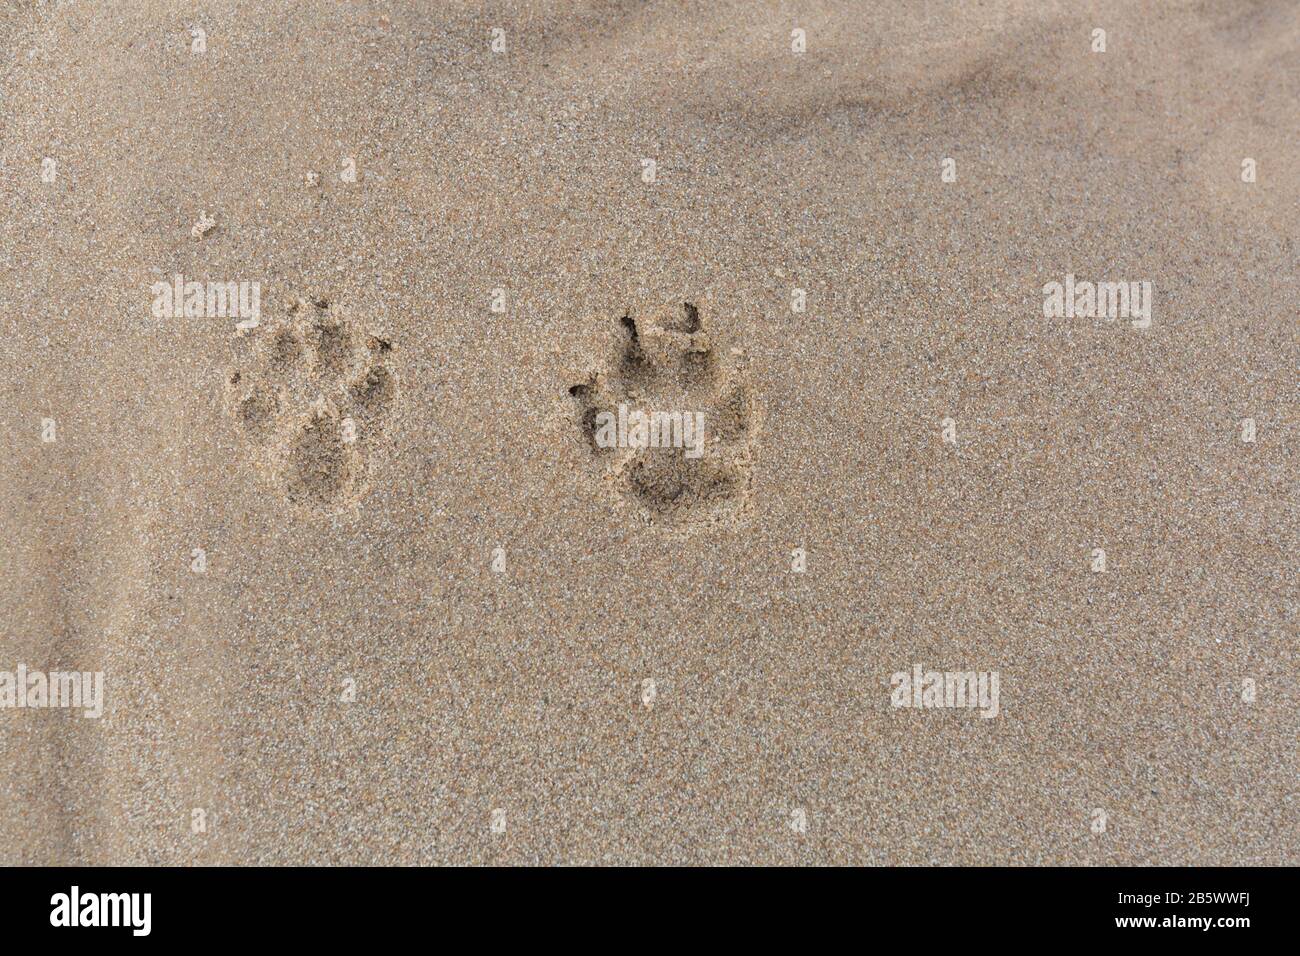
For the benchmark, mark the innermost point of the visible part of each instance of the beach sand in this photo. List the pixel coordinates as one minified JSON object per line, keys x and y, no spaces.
{"x":364,"y":589}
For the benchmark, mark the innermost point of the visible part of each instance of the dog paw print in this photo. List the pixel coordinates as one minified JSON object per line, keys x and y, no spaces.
{"x":672,"y":426}
{"x":314,"y":398}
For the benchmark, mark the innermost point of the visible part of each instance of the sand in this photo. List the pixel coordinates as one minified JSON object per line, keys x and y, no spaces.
{"x":364,"y":587}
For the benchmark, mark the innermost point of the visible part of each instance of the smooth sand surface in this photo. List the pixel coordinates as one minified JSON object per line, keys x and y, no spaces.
{"x":515,"y":680}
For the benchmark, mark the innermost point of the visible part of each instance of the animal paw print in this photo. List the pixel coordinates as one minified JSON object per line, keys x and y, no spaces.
{"x":314,"y":401}
{"x":674,"y":427}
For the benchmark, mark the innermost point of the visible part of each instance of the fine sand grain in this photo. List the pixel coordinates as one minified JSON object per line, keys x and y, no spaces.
{"x":364,"y":585}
